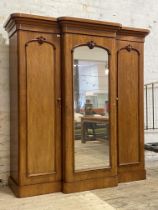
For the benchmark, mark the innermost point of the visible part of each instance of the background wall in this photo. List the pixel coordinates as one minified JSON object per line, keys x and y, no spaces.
{"x":136,"y":13}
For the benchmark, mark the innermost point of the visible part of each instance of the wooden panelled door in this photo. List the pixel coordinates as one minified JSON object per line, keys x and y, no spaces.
{"x":130,"y":111}
{"x":40,"y":115}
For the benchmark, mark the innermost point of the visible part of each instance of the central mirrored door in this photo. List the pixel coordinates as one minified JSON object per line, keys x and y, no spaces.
{"x":91,"y":107}
{"x":89,"y":113}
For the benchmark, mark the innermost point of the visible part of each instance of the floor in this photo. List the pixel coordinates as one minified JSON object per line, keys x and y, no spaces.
{"x":140,"y":195}
{"x":55,"y":201}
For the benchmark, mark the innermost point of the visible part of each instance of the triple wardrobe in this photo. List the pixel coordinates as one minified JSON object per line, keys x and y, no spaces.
{"x":76,"y":104}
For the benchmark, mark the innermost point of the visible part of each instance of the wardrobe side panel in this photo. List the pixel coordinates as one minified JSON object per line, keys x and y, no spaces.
{"x":14,"y":137}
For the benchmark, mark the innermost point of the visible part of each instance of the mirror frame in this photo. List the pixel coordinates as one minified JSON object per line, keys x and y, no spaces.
{"x":91,"y":46}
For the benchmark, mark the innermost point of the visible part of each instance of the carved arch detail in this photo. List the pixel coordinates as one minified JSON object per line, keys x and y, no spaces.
{"x":91,"y":46}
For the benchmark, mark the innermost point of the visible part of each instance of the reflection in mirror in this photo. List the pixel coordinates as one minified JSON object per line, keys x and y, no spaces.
{"x":91,"y":108}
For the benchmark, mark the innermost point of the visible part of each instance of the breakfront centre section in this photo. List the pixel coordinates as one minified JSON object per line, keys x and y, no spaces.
{"x":76,"y":103}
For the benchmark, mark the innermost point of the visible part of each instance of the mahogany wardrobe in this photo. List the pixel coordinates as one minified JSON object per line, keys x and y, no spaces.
{"x":76,"y":104}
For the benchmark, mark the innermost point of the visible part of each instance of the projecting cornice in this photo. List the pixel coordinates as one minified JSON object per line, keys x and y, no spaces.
{"x":20,"y":21}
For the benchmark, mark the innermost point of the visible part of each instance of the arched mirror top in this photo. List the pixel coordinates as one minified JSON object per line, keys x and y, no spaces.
{"x":87,"y":47}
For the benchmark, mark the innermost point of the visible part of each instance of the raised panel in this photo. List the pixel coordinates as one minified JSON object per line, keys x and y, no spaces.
{"x":40,"y":108}
{"x":128,"y":109}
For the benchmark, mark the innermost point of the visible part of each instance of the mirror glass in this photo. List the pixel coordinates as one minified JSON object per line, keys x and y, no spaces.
{"x":91,"y":108}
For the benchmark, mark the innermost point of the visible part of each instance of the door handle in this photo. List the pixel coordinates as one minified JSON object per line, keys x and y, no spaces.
{"x":59,"y":101}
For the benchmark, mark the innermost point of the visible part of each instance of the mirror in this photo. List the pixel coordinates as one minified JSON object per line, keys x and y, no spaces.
{"x":91,"y":107}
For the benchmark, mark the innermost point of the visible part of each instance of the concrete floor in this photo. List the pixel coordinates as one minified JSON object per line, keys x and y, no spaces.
{"x":55,"y":201}
{"x":140,"y":195}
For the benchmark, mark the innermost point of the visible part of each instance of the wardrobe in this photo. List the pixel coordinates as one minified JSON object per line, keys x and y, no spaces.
{"x":76,"y":104}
